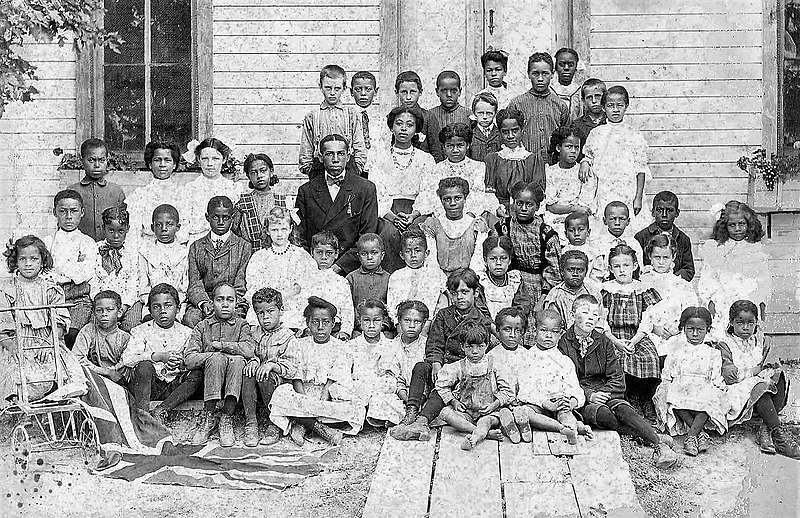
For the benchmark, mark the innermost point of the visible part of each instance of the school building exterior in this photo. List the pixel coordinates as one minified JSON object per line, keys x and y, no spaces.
{"x":702,"y":74}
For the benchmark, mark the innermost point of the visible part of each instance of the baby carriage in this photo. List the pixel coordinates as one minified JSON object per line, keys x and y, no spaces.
{"x":51,"y":417}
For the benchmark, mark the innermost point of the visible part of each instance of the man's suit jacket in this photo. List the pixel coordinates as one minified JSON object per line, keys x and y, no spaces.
{"x":208,"y":267}
{"x":354,"y":212}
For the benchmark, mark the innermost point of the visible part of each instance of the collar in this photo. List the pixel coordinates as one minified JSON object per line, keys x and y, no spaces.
{"x":338,"y":180}
{"x":216,"y":238}
{"x":230,"y":321}
{"x":444,"y":109}
{"x":542,"y":95}
{"x":573,"y":338}
{"x":486,"y":131}
{"x":377,"y":271}
{"x":100,"y":181}
{"x":104,"y":246}
{"x":655,"y":230}
{"x":325,"y":106}
{"x":518,"y":153}
{"x":404,"y":152}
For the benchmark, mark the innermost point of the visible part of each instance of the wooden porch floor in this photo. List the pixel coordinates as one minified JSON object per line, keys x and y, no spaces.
{"x":548,"y":477}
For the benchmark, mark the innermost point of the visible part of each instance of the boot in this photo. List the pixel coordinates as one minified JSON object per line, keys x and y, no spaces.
{"x":416,"y":431}
{"x":226,"y":437}
{"x":784,"y":443}
{"x":764,"y":440}
{"x":331,"y":435}
{"x":690,"y":446}
{"x":297,"y":433}
{"x":207,"y":426}
{"x":251,"y":433}
{"x":664,"y":456}
{"x":160,"y":414}
{"x":649,"y":412}
{"x":411,"y":415}
{"x":703,"y":442}
{"x":271,"y":435}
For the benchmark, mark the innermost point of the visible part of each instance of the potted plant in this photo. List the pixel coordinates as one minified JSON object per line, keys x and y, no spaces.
{"x":767,"y":176}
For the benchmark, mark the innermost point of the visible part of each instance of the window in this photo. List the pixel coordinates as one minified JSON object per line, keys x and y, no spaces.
{"x":148,"y":87}
{"x":789,"y":76}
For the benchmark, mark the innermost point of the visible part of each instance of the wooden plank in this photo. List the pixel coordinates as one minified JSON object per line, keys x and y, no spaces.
{"x":697,"y":154}
{"x":771,"y":103}
{"x":731,"y":186}
{"x":540,"y":444}
{"x":695,"y":88}
{"x":786,"y":323}
{"x":676,"y":39}
{"x":696,"y":121}
{"x":55,"y":69}
{"x":656,"y":138}
{"x":289,"y":62}
{"x":519,"y":464}
{"x":283,"y":3}
{"x":260,"y":114}
{"x":559,"y":445}
{"x":389,"y":60}
{"x":38,"y":141}
{"x":203,"y":70}
{"x":331,"y":27}
{"x":8,"y":126}
{"x":525,"y":499}
{"x":287,"y":134}
{"x":466,"y":483}
{"x":686,"y":105}
{"x":46,"y":51}
{"x":56,"y":88}
{"x":41,"y":109}
{"x":677,"y":56}
{"x":269,"y":95}
{"x":296,"y":14}
{"x":614,"y":489}
{"x":304,"y":44}
{"x":604,"y":7}
{"x":581,"y":32}
{"x":644,"y":71}
{"x":784,"y":347}
{"x":401,"y":480}
{"x":694,"y":170}
{"x":677,"y":21}
{"x":247,"y":80}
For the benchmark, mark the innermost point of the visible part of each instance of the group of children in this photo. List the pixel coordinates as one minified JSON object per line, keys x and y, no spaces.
{"x":202,"y":288}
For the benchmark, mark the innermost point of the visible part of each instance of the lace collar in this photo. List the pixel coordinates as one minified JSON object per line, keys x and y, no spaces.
{"x":518,"y":153}
{"x":634,"y":287}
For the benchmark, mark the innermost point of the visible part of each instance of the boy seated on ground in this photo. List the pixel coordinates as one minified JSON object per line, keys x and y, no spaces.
{"x":100,"y":344}
{"x":220,"y":345}
{"x":155,"y":353}
{"x":603,"y":382}
{"x":272,"y":365}
{"x":476,"y":393}
{"x":549,"y":391}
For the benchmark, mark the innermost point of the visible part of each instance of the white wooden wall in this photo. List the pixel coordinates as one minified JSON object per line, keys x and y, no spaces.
{"x":28,"y":134}
{"x":693,"y":69}
{"x":267,"y":57}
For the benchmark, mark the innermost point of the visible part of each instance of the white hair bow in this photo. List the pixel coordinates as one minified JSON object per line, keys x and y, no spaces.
{"x":716,"y":210}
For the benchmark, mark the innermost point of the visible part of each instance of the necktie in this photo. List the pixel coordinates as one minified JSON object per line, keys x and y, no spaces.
{"x":365,"y":123}
{"x":334,"y":180}
{"x":217,"y":245}
{"x":111,"y":260}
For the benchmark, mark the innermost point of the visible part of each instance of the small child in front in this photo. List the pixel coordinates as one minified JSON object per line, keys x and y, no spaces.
{"x":307,"y":404}
{"x":443,"y":347}
{"x":485,"y":136}
{"x":221,"y":344}
{"x":155,"y":354}
{"x":331,"y":117}
{"x":164,"y":260}
{"x":418,"y":280}
{"x":100,"y":345}
{"x":665,"y":210}
{"x":475,"y":391}
{"x":330,"y":286}
{"x":574,"y":266}
{"x":272,"y":365}
{"x":74,"y":260}
{"x":369,"y":357}
{"x":408,"y":88}
{"x":603,"y":382}
{"x":568,"y":91}
{"x":118,"y":267}
{"x":448,"y":90}
{"x":370,"y":280}
{"x":98,"y":194}
{"x":549,"y":391}
{"x":218,"y":257}
{"x":510,"y":325}
{"x":616,"y":231}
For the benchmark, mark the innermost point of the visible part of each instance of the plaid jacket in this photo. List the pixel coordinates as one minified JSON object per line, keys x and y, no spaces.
{"x":246,"y":223}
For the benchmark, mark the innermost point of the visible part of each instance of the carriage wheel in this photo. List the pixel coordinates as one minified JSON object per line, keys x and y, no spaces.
{"x":21,"y":442}
{"x":89,"y":440}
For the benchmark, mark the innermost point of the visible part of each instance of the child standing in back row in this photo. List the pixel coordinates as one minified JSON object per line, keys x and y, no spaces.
{"x":331,"y":117}
{"x":592,"y":93}
{"x":495,"y":67}
{"x":564,"y":87}
{"x":448,"y":90}
{"x":408,"y":88}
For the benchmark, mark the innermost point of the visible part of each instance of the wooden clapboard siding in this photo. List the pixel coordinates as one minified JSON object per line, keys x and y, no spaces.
{"x":267,"y":57}
{"x":29,"y":132}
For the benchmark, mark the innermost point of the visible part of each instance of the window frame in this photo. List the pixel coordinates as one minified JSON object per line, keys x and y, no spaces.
{"x":90,"y":116}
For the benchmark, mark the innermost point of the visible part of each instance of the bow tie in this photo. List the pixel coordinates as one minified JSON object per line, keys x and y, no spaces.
{"x":334,"y":180}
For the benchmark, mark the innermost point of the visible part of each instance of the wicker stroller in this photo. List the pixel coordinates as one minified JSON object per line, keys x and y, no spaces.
{"x":46,"y":423}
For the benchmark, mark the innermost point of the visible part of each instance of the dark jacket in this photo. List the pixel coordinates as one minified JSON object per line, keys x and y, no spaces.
{"x":443,"y":345}
{"x":684,"y":261}
{"x":207,"y":269}
{"x":600,"y":370}
{"x":354,"y":212}
{"x":430,"y":128}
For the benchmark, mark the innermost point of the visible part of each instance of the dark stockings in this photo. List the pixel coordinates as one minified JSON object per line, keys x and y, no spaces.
{"x":625,"y":420}
{"x":228,"y":406}
{"x":695,"y":420}
{"x":768,"y":404}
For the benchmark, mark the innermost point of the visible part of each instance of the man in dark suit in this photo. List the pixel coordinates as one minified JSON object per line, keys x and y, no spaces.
{"x":338,"y":201}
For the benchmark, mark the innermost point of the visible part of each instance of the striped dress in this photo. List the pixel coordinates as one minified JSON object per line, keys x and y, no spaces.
{"x":543,"y":115}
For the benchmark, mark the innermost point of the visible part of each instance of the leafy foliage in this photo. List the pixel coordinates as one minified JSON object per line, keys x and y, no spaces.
{"x":776,"y":168}
{"x":44,"y":21}
{"x":115,"y":161}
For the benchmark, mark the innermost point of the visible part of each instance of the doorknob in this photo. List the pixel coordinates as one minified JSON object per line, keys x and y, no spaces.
{"x":491,"y":21}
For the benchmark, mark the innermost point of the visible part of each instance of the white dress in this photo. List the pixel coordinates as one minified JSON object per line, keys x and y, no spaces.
{"x":142,"y":202}
{"x":618,"y":152}
{"x":280,"y":271}
{"x":748,"y":357}
{"x":732,"y":271}
{"x":499,"y":297}
{"x":563,"y":187}
{"x":194,"y":199}
{"x":692,"y":380}
{"x":677,"y":294}
{"x":473,"y":172}
{"x":398,"y":174}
